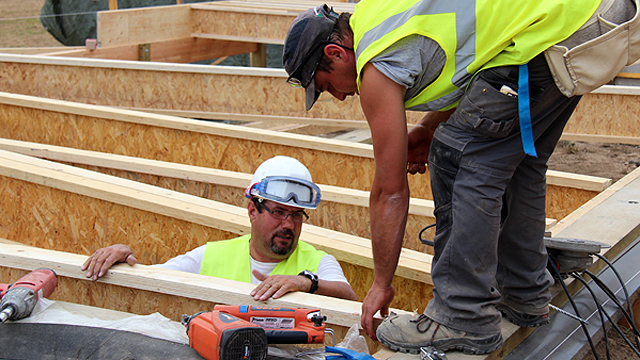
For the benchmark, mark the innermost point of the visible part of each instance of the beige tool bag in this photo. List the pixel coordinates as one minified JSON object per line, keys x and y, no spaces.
{"x":592,"y":64}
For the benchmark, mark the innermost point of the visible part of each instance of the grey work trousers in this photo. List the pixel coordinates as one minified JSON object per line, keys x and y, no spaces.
{"x":490,"y":200}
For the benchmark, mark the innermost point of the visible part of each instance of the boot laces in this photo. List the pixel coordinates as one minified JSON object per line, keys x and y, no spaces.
{"x":422,"y":320}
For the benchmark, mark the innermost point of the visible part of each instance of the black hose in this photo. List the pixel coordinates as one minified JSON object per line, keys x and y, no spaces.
{"x":626,"y":295}
{"x":575,"y":307}
{"x":615,"y":326}
{"x":600,"y":311}
{"x":424,"y":241}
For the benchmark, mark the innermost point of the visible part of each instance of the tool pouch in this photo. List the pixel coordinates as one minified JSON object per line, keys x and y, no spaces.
{"x":585,"y":67}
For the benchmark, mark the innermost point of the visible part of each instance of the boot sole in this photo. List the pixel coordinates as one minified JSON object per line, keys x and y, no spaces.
{"x":469,"y":347}
{"x":515,"y":317}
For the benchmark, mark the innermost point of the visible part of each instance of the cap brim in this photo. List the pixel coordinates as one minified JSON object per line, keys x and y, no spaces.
{"x":311,"y":94}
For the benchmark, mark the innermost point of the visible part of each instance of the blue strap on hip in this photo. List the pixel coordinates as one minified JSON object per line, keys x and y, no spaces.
{"x":525,"y":112}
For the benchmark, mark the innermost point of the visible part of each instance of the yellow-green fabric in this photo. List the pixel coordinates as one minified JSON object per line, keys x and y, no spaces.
{"x":230,"y":259}
{"x":474,"y":35}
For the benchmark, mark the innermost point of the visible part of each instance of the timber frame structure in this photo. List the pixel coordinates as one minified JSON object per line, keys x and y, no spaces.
{"x":108,"y":146}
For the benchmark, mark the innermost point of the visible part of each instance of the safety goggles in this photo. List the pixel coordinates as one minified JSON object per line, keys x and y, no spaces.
{"x":284,"y":189}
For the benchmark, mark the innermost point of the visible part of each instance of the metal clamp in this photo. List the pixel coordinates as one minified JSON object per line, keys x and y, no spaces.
{"x":431,"y":353}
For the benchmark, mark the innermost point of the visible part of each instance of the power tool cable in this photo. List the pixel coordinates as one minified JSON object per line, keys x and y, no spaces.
{"x":601,"y":312}
{"x":613,"y":297}
{"x":631,"y":320}
{"x":613,"y":323}
{"x":552,"y":266}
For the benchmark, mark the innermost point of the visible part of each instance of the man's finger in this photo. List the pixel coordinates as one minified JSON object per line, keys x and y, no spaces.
{"x":131,"y":260}
{"x":260,"y":276}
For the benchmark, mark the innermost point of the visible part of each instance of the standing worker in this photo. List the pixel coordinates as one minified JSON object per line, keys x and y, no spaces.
{"x":499,"y":80}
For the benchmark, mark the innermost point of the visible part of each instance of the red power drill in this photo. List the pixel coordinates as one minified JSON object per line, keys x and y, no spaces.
{"x":282,"y":325}
{"x":19,"y":298}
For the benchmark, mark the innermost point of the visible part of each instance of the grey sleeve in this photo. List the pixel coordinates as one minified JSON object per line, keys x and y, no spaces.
{"x":413,"y":62}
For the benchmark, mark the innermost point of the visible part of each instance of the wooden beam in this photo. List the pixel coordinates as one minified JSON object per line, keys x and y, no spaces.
{"x":183,"y":50}
{"x":64,"y":208}
{"x":605,"y":139}
{"x":219,"y":145}
{"x":349,"y":124}
{"x":38,"y":50}
{"x":258,"y":58}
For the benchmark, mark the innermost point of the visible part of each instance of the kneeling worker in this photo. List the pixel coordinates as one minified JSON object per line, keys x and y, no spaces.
{"x":271,"y":256}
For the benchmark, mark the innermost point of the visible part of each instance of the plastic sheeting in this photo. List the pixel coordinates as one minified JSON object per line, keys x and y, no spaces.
{"x":155,"y":325}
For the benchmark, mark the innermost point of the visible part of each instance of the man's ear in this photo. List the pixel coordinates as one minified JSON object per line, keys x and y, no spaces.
{"x":335,"y":52}
{"x":252,"y":210}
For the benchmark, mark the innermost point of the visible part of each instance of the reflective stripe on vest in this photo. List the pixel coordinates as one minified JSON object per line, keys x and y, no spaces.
{"x":230,"y":259}
{"x":473,"y":34}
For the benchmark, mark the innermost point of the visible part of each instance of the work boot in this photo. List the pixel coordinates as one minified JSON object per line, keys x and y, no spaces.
{"x":522,"y":319}
{"x":408,"y":333}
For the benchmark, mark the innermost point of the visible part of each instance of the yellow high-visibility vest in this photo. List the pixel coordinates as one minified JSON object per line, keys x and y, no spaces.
{"x":230,"y":259}
{"x":474,"y":35}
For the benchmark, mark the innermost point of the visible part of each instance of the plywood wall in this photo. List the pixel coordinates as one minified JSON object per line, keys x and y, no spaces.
{"x":606,"y":114}
{"x":54,"y":219}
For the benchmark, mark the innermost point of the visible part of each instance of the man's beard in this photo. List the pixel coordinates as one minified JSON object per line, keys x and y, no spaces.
{"x":282,"y":249}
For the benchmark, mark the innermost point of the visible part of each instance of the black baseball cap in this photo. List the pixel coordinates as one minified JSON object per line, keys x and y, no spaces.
{"x":304,"y":46}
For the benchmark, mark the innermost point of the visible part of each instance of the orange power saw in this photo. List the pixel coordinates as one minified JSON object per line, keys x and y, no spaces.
{"x":283,"y":325}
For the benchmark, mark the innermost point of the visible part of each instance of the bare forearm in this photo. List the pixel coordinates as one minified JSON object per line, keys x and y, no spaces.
{"x":337,"y":289}
{"x":388,"y":221}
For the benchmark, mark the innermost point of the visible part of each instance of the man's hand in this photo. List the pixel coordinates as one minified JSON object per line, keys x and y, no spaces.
{"x":377,"y":298}
{"x":277,"y":285}
{"x":100,"y":261}
{"x":419,"y":140}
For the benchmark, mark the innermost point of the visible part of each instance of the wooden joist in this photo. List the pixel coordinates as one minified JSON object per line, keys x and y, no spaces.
{"x":226,"y":147}
{"x":60,"y":207}
{"x":181,"y":50}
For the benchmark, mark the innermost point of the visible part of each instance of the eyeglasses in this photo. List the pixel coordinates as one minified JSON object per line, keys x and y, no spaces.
{"x":298,"y":217}
{"x":294,"y":79}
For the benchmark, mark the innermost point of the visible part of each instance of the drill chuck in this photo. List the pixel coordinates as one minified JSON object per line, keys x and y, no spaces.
{"x":17,"y":304}
{"x":6,"y":314}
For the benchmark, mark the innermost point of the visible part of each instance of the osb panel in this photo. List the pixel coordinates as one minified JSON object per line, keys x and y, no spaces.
{"x":563,"y":201}
{"x":185,"y":147}
{"x":149,"y":24}
{"x":606,"y":114}
{"x":58,"y":220}
{"x":410,"y":295}
{"x":239,"y":94}
{"x":232,"y":23}
{"x":345,"y":218}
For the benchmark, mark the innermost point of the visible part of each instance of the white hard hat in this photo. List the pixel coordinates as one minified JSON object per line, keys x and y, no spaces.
{"x":284,"y":180}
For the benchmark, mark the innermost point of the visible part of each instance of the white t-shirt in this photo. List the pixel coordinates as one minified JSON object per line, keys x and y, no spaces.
{"x":329,"y":269}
